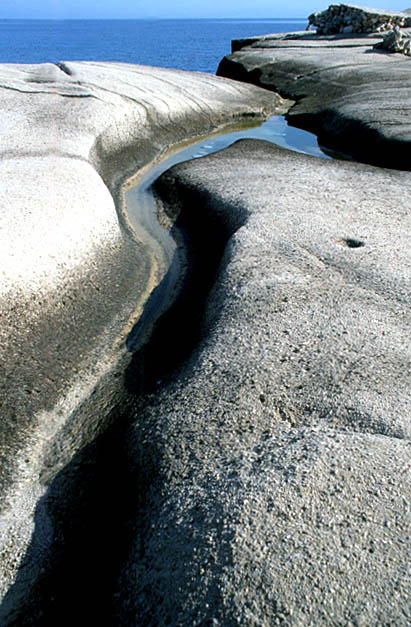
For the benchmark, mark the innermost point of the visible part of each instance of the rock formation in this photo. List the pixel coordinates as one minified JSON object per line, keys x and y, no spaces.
{"x":75,"y":276}
{"x":396,"y":41}
{"x":348,"y":18}
{"x":355,"y":98}
{"x":249,"y":463}
{"x":281,"y":449}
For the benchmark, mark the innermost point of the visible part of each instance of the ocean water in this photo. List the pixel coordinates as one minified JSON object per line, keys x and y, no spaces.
{"x":197,"y":45}
{"x":184,"y":44}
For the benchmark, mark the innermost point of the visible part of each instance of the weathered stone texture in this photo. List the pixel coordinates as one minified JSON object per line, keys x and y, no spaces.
{"x":356,"y":99}
{"x":348,"y":18}
{"x":281,"y":449}
{"x":74,"y":276}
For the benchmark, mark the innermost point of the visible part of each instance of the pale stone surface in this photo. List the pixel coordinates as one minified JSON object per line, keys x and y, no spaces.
{"x":355,"y":98}
{"x":266,"y":480}
{"x":276,"y":462}
{"x":73,"y":275}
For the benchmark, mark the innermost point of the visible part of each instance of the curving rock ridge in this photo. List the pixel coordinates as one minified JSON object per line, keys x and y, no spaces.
{"x":276,"y":463}
{"x":74,"y":277}
{"x":356,"y":98}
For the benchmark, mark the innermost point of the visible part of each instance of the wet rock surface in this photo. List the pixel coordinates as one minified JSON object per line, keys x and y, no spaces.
{"x":275,"y":463}
{"x":74,"y":277}
{"x":355,"y":97}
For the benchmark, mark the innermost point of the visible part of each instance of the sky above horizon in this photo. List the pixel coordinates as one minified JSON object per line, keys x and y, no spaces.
{"x":129,"y":9}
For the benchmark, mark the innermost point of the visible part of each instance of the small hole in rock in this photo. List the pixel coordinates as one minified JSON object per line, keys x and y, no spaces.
{"x":350,"y":242}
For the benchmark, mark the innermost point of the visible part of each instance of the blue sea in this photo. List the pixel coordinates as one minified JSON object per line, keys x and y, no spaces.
{"x":184,"y":44}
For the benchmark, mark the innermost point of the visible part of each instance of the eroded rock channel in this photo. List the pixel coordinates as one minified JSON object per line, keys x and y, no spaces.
{"x":281,"y":446}
{"x":264,"y":475}
{"x":75,"y":280}
{"x":88,"y":501}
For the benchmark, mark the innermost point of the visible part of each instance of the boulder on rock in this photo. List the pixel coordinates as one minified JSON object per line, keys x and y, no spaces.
{"x":396,"y":41}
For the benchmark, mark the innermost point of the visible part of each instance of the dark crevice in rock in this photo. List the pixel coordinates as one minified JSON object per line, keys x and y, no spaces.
{"x":92,"y":504}
{"x":88,"y":506}
{"x":203,"y":233}
{"x":352,"y":139}
{"x":64,"y":68}
{"x":204,"y":224}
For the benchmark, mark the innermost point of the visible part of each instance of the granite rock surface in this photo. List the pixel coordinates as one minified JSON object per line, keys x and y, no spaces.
{"x":274,"y":466}
{"x":266,"y":476}
{"x":355,"y":97}
{"x":74,"y":275}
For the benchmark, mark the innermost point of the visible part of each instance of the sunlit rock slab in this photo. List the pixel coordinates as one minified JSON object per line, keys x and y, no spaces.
{"x":356,"y":98}
{"x":275,"y":466}
{"x":74,"y":277}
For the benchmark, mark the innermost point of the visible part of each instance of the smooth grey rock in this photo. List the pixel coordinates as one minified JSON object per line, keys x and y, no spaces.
{"x":306,"y":39}
{"x":355,"y":98}
{"x":74,"y":277}
{"x":274,"y":478}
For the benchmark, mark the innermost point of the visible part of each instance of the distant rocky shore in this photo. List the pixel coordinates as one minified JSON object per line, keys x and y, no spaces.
{"x":250,"y":463}
{"x":349,"y":18}
{"x":349,"y":90}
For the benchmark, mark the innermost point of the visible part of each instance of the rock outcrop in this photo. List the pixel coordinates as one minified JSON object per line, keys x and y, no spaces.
{"x":356,"y":99}
{"x":348,"y":18}
{"x":275,"y":463}
{"x":264,"y":477}
{"x":74,"y":275}
{"x":396,"y":41}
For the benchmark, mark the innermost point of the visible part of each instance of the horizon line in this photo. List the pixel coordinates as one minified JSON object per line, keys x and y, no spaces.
{"x":157,"y":19}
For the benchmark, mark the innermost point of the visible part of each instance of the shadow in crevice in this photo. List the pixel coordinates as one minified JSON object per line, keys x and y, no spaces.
{"x":203,"y":229}
{"x":339,"y":136}
{"x":354,"y":140}
{"x":94,"y":505}
{"x":88,"y":507}
{"x":381,"y":51}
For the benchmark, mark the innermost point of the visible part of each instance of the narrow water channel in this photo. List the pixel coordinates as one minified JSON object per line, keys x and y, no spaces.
{"x":142,"y":210}
{"x":139,"y":200}
{"x":94,"y":502}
